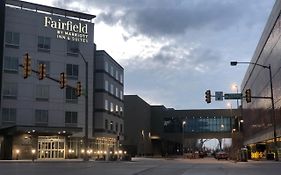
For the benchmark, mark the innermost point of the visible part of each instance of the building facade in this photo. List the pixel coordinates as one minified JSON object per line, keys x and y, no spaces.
{"x":39,"y":118}
{"x":109,"y":84}
{"x":259,"y":120}
{"x":167,"y":131}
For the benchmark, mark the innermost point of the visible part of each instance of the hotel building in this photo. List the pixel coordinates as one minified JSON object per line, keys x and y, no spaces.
{"x":40,"y":116}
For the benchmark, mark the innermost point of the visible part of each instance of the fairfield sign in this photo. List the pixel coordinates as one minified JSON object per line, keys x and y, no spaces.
{"x":68,"y":30}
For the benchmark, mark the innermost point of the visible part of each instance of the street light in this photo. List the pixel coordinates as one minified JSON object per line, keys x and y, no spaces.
{"x":183,"y":124}
{"x":86,"y":158}
{"x":235,"y":87}
{"x":234,"y":63}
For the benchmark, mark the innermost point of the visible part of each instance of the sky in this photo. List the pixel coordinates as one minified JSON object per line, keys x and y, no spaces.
{"x":173,"y":51}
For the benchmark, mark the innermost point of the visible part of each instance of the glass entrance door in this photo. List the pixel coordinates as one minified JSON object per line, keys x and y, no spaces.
{"x":51,"y":147}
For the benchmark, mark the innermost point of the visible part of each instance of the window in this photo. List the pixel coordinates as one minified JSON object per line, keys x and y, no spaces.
{"x":10,"y":90}
{"x":111,"y":71}
{"x":41,"y":117}
{"x":12,"y":39}
{"x":106,"y":66}
{"x":72,"y":47}
{"x":47,"y":63}
{"x":111,"y":125}
{"x":44,"y":43}
{"x":121,"y":78}
{"x":11,"y":64}
{"x":116,"y":108}
{"x":116,"y":75}
{"x":106,"y":124}
{"x":9,"y":115}
{"x":72,"y":71}
{"x":117,"y":92}
{"x":121,"y":128}
{"x":111,"y":107}
{"x":106,"y":105}
{"x":71,"y":118}
{"x":71,"y":95}
{"x":106,"y":85}
{"x":121,"y":110}
{"x":121,"y":95}
{"x":111,"y":89}
{"x":116,"y":127}
{"x":42,"y":92}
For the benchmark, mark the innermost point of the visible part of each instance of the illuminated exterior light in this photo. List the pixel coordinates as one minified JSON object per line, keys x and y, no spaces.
{"x":33,"y":151}
{"x":17,"y":151}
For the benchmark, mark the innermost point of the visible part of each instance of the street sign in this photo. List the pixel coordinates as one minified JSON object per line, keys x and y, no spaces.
{"x":219,"y":96}
{"x":233,"y":96}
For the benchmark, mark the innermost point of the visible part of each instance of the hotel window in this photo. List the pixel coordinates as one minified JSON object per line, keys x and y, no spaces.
{"x":111,"y":89}
{"x":9,"y":115}
{"x":111,"y":71}
{"x":47,"y":63}
{"x":121,"y":78}
{"x":71,"y":118}
{"x":71,"y":95}
{"x":116,"y":75}
{"x":12,"y":39}
{"x":111,"y":107}
{"x":9,"y":90}
{"x":121,"y":111}
{"x":72,"y":71}
{"x":106,"y":124}
{"x":72,"y":47}
{"x":106,"y":85}
{"x":111,"y":125}
{"x":41,"y":117}
{"x":106,"y":66}
{"x":121,"y":128}
{"x":121,"y":95}
{"x":116,"y":108}
{"x":42,"y":92}
{"x":106,"y":105}
{"x":11,"y":64}
{"x":116,"y":127}
{"x":44,"y":43}
{"x":117,"y":92}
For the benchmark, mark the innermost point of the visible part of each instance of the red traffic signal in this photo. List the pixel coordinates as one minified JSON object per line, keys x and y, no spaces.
{"x":78,"y":89}
{"x":42,"y":71}
{"x":26,"y":66}
{"x":63,"y":80}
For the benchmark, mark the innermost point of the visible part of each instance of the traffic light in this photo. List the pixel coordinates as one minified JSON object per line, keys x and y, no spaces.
{"x":26,"y":66}
{"x":78,"y":89}
{"x":248,"y":95}
{"x":63,"y":80}
{"x":42,"y":71}
{"x":208,"y":96}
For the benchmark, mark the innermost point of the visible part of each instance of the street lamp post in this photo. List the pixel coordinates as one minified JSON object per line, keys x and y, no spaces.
{"x":234,"y":63}
{"x":183,"y":124}
{"x":86,"y":158}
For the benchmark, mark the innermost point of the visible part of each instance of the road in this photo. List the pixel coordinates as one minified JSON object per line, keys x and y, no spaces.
{"x":142,"y":166}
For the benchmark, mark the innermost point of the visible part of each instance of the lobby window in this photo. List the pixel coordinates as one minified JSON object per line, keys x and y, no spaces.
{"x":116,"y":127}
{"x":106,"y":66}
{"x":111,"y":125}
{"x":106,"y":124}
{"x":44,"y":43}
{"x":9,"y":90}
{"x":72,"y":71}
{"x":106,"y":85}
{"x":47,"y":63}
{"x":71,"y":95}
{"x":71,"y":118}
{"x":12,"y":39}
{"x":11,"y":64}
{"x":9,"y":115}
{"x":41,"y":117}
{"x":42,"y":92}
{"x":106,"y":105}
{"x":72,"y":47}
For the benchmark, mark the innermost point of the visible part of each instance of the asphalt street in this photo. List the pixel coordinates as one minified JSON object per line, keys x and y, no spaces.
{"x":141,"y":166}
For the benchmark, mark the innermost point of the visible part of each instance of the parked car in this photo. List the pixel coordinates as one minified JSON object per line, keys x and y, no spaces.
{"x":221,"y":155}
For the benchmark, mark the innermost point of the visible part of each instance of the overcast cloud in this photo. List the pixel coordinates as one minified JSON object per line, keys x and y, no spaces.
{"x":172,"y":51}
